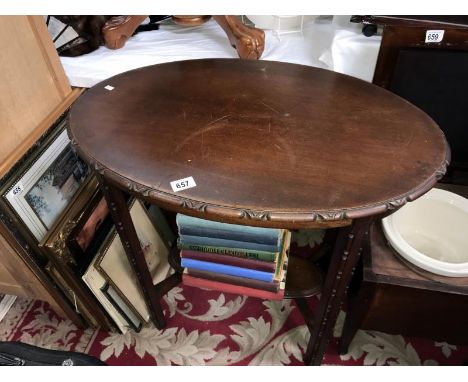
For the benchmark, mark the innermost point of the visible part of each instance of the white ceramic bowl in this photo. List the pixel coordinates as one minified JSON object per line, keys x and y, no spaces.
{"x":432,"y":233}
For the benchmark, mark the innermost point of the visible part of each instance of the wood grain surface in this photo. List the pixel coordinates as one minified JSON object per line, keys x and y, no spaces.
{"x":267,"y":143}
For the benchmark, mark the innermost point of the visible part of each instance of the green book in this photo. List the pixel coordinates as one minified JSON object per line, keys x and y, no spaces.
{"x":251,"y":254}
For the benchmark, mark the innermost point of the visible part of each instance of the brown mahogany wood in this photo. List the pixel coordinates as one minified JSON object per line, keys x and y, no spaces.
{"x":397,"y":37}
{"x":345,"y":256}
{"x":190,"y":20}
{"x":268,"y":144}
{"x":304,"y":278}
{"x":118,"y":29}
{"x":427,"y":21}
{"x":404,"y":35}
{"x":303,"y":306}
{"x":248,"y":41}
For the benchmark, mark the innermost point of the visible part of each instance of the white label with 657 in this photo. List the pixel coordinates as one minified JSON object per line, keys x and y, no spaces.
{"x":183,"y":184}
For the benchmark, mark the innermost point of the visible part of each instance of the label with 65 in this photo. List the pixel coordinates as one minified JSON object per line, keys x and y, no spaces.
{"x":183,"y":184}
{"x":434,"y":35}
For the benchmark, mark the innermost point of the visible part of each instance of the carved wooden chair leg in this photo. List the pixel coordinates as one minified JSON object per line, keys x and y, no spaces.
{"x":118,"y":29}
{"x":120,"y":214}
{"x":344,"y":258}
{"x":249,"y":42}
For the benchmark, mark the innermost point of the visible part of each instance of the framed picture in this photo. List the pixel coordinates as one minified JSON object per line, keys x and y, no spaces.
{"x":113,"y":264}
{"x":89,"y":229}
{"x":57,"y":242}
{"x":86,"y":222}
{"x":119,"y":304}
{"x":85,"y":233}
{"x":76,"y":302}
{"x":46,"y":183}
{"x":96,"y":283}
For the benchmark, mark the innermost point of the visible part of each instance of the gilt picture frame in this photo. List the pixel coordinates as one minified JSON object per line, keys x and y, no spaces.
{"x":57,"y":243}
{"x":42,"y":188}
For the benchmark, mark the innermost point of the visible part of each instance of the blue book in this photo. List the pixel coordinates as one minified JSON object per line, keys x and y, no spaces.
{"x":227,"y":269}
{"x":201,"y":227}
{"x":224,"y":243}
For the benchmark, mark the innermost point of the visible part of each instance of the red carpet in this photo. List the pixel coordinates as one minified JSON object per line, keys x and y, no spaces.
{"x":212,"y":328}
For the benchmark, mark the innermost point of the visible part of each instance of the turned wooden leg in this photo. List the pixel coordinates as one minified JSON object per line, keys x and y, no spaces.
{"x":120,"y":214}
{"x":249,"y":42}
{"x":118,"y":29}
{"x":345,"y":255}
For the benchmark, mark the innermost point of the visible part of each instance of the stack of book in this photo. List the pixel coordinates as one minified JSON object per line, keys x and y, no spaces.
{"x":233,"y":258}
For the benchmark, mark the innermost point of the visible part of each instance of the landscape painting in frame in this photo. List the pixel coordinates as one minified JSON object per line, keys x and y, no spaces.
{"x":46,"y":188}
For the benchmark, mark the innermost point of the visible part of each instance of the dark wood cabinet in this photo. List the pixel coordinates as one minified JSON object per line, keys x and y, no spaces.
{"x":430,"y":73}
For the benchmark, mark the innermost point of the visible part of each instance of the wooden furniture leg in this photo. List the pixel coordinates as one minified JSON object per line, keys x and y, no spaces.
{"x":249,"y":42}
{"x":118,"y":29}
{"x":303,"y":307}
{"x":355,"y":316}
{"x":344,"y":259}
{"x":120,"y":214}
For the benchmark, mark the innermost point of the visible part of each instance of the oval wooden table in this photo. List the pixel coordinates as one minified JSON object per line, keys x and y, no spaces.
{"x":268,"y":144}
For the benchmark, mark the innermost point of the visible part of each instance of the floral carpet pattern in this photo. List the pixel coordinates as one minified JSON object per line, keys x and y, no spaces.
{"x":214,"y":328}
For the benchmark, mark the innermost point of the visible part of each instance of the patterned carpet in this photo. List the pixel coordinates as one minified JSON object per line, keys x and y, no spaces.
{"x":213,"y":328}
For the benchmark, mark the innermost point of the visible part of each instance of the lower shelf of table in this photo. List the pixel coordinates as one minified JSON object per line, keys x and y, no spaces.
{"x":304,"y":278}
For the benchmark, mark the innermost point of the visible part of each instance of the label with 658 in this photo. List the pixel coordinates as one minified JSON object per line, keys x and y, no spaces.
{"x":183,"y":184}
{"x":434,"y":35}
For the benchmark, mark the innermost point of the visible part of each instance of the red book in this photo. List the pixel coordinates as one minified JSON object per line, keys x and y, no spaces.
{"x":230,"y":260}
{"x":229,"y":288}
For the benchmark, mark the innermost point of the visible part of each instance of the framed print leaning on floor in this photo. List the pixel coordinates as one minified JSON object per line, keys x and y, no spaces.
{"x":113,"y":264}
{"x":47,"y":183}
{"x":67,"y":263}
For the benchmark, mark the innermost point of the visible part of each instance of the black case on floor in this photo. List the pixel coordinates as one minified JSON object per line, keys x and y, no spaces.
{"x":20,"y":354}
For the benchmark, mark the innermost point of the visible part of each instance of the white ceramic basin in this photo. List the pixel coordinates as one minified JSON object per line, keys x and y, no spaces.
{"x":432,"y":233}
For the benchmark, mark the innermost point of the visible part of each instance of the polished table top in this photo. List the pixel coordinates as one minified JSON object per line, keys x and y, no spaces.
{"x":267,"y":143}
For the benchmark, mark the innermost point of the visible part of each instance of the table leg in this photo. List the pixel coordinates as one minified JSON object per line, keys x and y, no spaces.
{"x":120,"y":214}
{"x":345,"y":255}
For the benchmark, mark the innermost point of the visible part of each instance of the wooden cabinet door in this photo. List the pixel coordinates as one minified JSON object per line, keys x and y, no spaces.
{"x":33,"y":82}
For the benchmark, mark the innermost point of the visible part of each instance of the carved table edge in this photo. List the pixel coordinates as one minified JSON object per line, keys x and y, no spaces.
{"x":278,"y":219}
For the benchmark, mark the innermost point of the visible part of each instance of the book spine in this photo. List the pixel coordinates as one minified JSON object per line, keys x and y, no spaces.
{"x":227,"y":269}
{"x":229,"y":260}
{"x":242,"y":281}
{"x":236,"y":235}
{"x":229,"y":288}
{"x":273,"y":235}
{"x":224,"y":243}
{"x":263,"y":256}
